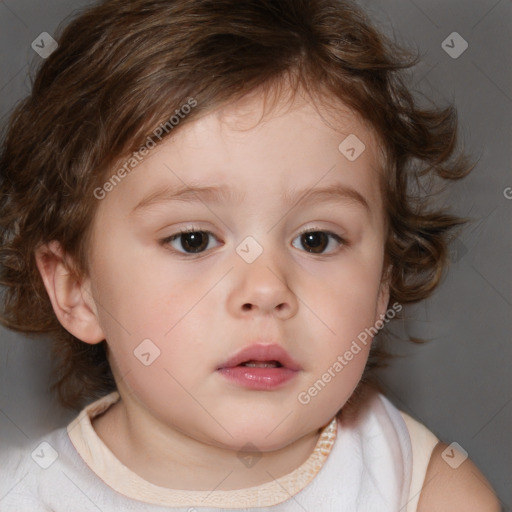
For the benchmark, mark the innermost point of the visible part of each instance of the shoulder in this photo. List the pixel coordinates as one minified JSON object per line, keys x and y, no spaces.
{"x":453,"y":483}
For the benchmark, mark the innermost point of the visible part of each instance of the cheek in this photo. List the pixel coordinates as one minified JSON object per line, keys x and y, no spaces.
{"x":139,"y":297}
{"x":155,"y":330}
{"x":156,"y":367}
{"x":346,"y":300}
{"x":343,"y":311}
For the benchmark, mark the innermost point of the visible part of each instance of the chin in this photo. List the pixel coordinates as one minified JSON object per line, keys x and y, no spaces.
{"x":263,"y":435}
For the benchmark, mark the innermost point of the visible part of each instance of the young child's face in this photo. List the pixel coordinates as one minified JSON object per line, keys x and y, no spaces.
{"x":200,"y":309}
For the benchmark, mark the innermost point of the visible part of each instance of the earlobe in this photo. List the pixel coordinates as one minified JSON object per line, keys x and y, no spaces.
{"x":383,"y":301}
{"x":76,"y":313}
{"x":384,"y":293}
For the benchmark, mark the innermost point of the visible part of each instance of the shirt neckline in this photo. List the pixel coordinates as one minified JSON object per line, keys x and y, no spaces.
{"x":120,"y":478}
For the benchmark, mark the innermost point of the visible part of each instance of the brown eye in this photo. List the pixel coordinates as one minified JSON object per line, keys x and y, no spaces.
{"x":192,"y":242}
{"x":317,"y":241}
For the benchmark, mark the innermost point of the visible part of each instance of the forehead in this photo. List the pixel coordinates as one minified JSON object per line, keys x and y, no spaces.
{"x":261,"y":152}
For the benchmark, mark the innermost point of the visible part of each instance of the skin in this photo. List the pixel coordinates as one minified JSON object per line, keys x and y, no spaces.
{"x":446,"y":489}
{"x":180,"y":424}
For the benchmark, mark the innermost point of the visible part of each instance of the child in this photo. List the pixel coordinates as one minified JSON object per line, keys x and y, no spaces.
{"x":208,"y":205}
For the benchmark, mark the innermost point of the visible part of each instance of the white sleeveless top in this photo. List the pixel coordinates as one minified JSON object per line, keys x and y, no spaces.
{"x":376,"y":464}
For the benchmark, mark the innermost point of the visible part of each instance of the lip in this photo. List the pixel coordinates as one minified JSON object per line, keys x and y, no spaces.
{"x":262,"y":352}
{"x":260,"y":378}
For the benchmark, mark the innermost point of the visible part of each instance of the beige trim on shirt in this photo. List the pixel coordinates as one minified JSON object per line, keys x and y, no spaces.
{"x":120,"y":478}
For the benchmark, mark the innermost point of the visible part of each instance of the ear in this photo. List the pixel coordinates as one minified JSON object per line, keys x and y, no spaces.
{"x":383,"y":297}
{"x":71,"y":299}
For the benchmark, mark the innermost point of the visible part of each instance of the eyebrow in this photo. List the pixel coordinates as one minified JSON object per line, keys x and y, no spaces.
{"x":224,"y":194}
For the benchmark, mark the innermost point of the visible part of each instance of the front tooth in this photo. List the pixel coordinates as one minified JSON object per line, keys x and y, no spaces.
{"x":261,"y":365}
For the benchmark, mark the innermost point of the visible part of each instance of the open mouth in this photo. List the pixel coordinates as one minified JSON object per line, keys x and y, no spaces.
{"x":261,"y":356}
{"x":260,"y":367}
{"x":262,"y":364}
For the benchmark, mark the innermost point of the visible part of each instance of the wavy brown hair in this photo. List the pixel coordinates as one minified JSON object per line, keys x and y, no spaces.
{"x":123,"y":67}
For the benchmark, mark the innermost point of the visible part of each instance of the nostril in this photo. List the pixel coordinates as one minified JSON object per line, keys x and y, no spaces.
{"x":247,"y":307}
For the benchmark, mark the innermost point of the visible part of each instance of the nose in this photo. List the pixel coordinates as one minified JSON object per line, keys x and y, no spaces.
{"x":262,"y":288}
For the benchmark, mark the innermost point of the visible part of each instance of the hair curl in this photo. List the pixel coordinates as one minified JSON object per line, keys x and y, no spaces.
{"x":124,"y":67}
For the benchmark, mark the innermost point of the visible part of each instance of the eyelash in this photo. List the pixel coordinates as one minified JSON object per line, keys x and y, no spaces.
{"x":166,"y":241}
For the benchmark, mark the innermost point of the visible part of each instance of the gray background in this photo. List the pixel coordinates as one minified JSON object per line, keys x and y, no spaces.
{"x":459,"y":384}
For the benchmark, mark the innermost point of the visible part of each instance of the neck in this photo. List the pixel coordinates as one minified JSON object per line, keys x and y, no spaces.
{"x":172,"y":459}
